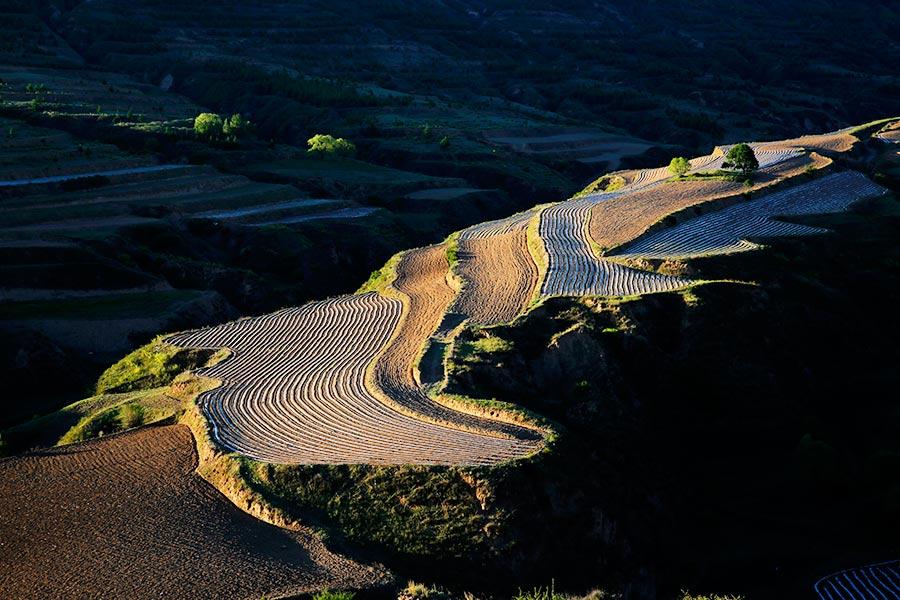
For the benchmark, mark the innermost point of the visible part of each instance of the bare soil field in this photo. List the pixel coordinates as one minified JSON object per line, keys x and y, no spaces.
{"x":624,"y":217}
{"x":127,"y":517}
{"x":498,"y":268}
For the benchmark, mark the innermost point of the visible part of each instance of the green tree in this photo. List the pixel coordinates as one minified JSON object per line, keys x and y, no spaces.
{"x":329,"y":145}
{"x":444,"y":143}
{"x":236,"y":125}
{"x":208,"y":126}
{"x":742,"y":158}
{"x":679,"y":166}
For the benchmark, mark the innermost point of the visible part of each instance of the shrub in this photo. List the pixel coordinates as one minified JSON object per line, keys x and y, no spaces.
{"x":742,"y":158}
{"x":236,"y":126}
{"x":333,"y":595}
{"x":444,"y":143}
{"x":538,"y":593}
{"x":209,"y":126}
{"x":329,"y":145}
{"x":132,"y":415}
{"x":679,"y":166}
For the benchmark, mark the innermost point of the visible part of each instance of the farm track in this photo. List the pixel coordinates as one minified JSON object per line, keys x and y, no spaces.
{"x":294,"y":391}
{"x":127,"y":515}
{"x":626,"y":216}
{"x":422,"y":281}
{"x":498,"y":268}
{"x":730,"y":229}
{"x":873,"y":582}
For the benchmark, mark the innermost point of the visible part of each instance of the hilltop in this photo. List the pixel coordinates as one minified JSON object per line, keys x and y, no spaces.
{"x":466,"y":372}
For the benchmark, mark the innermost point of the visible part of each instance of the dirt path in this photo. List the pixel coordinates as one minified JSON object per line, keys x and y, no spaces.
{"x":127,"y":517}
{"x":499,"y":277}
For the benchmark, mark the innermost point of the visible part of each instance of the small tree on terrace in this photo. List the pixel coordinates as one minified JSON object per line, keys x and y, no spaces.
{"x":742,"y":158}
{"x":236,"y":125}
{"x":329,"y":145}
{"x":679,"y":166}
{"x":208,"y":126}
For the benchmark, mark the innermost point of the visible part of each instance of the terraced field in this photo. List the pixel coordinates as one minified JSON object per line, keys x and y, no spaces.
{"x":295,"y":391}
{"x":624,"y":216}
{"x":339,"y":381}
{"x":422,"y":283}
{"x":128,"y":515}
{"x":497,"y":226}
{"x":731,"y":229}
{"x":574,"y":269}
{"x":874,"y":582}
{"x":497,"y":267}
{"x":84,"y":94}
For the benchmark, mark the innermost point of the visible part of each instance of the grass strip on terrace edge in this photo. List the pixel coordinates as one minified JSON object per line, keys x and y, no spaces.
{"x":537,"y":250}
{"x":493,"y":409}
{"x":381,"y":280}
{"x":871,"y":124}
{"x":453,"y":279}
{"x":614,"y":182}
{"x":717,"y":175}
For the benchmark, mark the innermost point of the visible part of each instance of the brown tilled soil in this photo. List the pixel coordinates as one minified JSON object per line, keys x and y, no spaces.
{"x":127,"y":517}
{"x":619,"y":220}
{"x":499,"y":275}
{"x":825,"y":142}
{"x":422,"y":279}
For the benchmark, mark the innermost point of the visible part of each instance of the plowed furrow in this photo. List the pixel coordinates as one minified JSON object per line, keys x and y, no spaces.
{"x":294,"y":391}
{"x":499,"y":277}
{"x":127,"y":515}
{"x":728,"y":230}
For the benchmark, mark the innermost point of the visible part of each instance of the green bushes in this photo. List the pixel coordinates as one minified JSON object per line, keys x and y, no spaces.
{"x":679,"y":166}
{"x":333,"y":595}
{"x":150,"y":366}
{"x":212,"y":127}
{"x":328,"y":145}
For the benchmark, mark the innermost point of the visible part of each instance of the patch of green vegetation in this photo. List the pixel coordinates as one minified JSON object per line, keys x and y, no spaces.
{"x":540,"y":593}
{"x":152,"y":365}
{"x":411,"y":510}
{"x":333,"y":595}
{"x":606,"y":183}
{"x":126,"y":415}
{"x":381,"y":278}
{"x":328,"y":145}
{"x":492,"y":344}
{"x":718,"y":175}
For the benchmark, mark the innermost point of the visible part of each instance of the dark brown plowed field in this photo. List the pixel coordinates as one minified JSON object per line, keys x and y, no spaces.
{"x":127,"y":517}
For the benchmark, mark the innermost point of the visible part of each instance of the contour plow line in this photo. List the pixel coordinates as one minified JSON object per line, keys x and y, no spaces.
{"x":874,"y":582}
{"x":731,"y":229}
{"x":294,"y":392}
{"x":573,"y":268}
{"x":422,"y":283}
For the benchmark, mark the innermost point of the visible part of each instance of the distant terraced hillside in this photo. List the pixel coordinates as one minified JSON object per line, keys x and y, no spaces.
{"x":341,"y":380}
